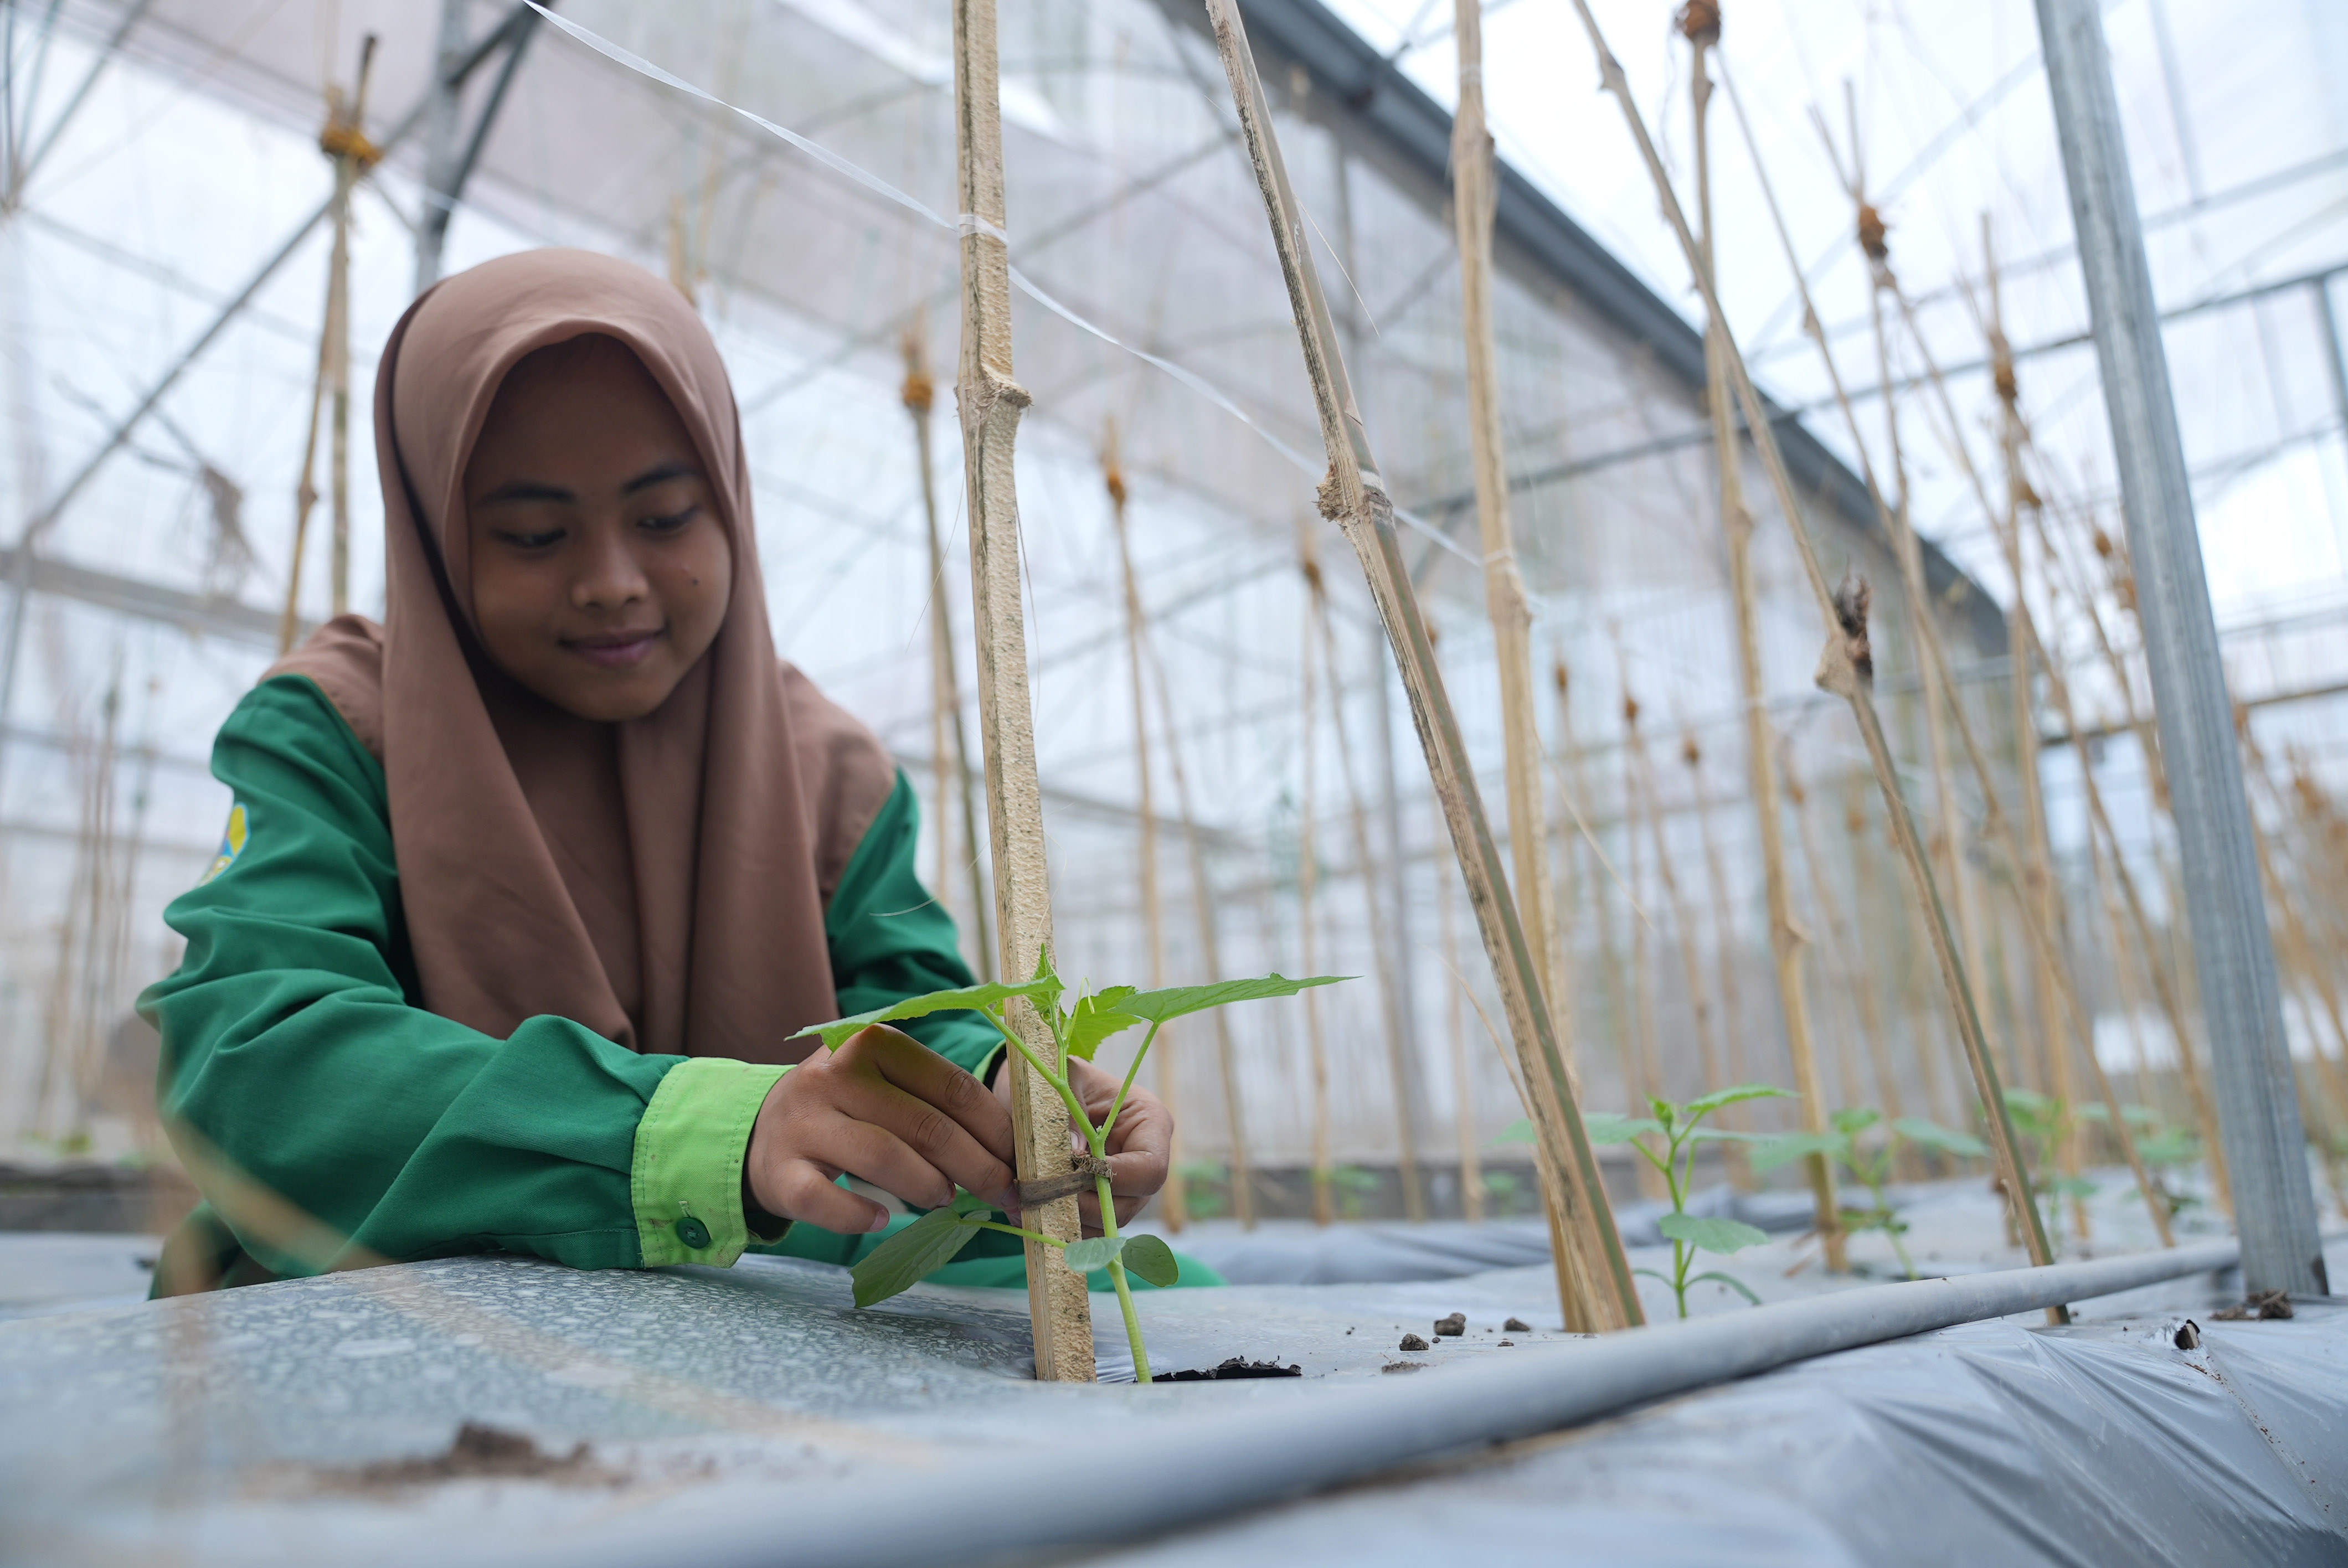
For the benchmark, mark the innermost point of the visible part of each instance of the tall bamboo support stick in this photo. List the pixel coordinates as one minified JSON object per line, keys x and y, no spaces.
{"x":1173,"y":1204}
{"x":1702,"y":25}
{"x":1355,"y":494}
{"x":1933,"y":658}
{"x":950,"y":771}
{"x":2037,"y":883}
{"x":1475,"y":197}
{"x":1463,"y":1077}
{"x":1846,"y":668}
{"x":1643,"y":1056}
{"x":1307,"y":881}
{"x":1724,"y":919}
{"x":1682,"y":919}
{"x":1239,"y":1163}
{"x":1405,"y":1084}
{"x":344,"y":142}
{"x":990,"y":404}
{"x":2297,"y":946}
{"x":1857,"y":974}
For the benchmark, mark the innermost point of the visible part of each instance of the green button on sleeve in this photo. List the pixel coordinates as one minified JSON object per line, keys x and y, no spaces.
{"x":686,"y":1178}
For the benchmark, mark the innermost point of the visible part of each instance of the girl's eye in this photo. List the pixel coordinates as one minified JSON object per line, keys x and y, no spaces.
{"x":670,"y":523}
{"x":537,"y":541}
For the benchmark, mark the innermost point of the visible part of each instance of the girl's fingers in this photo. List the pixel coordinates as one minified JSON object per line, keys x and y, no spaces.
{"x":940,"y":1144}
{"x":926,"y":1076}
{"x":806,"y":1193}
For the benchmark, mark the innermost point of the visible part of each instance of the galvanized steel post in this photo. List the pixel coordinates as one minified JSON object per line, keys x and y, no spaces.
{"x":2258,"y":1099}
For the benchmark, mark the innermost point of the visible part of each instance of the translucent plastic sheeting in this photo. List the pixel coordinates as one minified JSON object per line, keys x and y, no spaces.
{"x":312,"y":1421}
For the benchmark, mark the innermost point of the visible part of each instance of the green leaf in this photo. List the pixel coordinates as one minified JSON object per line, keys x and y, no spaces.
{"x":1853,"y":1120}
{"x":1084,"y":1257}
{"x":1152,"y":1260}
{"x":1930,"y":1133}
{"x":913,"y":1254}
{"x":840,"y":1031}
{"x":1737,"y":1285}
{"x":1610,"y":1127}
{"x":1711,"y":1234}
{"x":1520,"y":1130}
{"x":1164,"y":1005}
{"x":1730,"y":1095}
{"x":1095,"y":1018}
{"x":2069,"y":1186}
{"x":1788,"y":1147}
{"x":2174,"y":1147}
{"x":970,"y":1208}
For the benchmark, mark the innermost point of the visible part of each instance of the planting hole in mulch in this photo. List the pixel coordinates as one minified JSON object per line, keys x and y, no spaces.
{"x":482,"y":1453}
{"x":1237,"y":1367}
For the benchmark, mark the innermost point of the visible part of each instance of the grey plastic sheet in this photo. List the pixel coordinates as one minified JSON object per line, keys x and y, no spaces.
{"x":242,"y":1428}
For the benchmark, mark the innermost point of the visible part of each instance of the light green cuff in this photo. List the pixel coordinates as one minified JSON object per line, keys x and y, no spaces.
{"x":686,"y":1179}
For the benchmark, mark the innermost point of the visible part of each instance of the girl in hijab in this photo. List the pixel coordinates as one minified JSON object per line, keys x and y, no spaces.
{"x":526,"y":890}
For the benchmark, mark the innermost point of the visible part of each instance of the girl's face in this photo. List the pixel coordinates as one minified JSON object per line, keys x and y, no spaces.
{"x":600,"y":571}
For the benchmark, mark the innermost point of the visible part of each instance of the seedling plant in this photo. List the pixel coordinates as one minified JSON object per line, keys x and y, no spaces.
{"x":2047,"y":1123}
{"x":1678,"y":1128}
{"x":1076,"y":1032}
{"x":1870,"y":1166}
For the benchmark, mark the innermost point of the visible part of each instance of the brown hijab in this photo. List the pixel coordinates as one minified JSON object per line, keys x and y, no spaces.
{"x":662,"y":880}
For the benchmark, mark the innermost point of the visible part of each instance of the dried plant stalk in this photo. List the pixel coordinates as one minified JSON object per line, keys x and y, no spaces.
{"x":1846,"y":668}
{"x":1354,"y":496}
{"x":990,"y":404}
{"x":1760,"y":751}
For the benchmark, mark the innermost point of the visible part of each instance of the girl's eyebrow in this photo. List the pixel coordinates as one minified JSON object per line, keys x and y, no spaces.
{"x":660,"y":473}
{"x":527,"y":490}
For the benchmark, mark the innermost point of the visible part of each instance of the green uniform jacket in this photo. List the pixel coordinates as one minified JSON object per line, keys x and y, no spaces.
{"x":299,"y":1064}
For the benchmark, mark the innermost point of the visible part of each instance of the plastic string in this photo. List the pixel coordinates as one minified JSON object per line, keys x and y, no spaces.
{"x":969,"y":223}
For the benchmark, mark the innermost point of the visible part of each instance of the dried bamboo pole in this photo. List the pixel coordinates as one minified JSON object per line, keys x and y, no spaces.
{"x":1642,"y":1064}
{"x":1307,"y":880}
{"x":1203,"y":907}
{"x":1723,"y":915}
{"x":1846,"y":668}
{"x":1463,"y":1077}
{"x":344,"y":142}
{"x":990,"y":404}
{"x":2059,"y":689}
{"x":1355,"y":497}
{"x":2297,"y":944}
{"x":1405,"y":1090}
{"x":1173,"y":1205}
{"x":1475,"y":197}
{"x":1701,"y":23}
{"x":950,"y":771}
{"x":1857,"y":975}
{"x":1682,"y":921}
{"x":1933,"y":658}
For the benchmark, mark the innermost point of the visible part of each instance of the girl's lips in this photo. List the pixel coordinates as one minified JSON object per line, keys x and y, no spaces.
{"x":615,"y":649}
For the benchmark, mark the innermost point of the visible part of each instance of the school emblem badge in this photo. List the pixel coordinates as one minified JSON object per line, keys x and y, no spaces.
{"x":232,"y":843}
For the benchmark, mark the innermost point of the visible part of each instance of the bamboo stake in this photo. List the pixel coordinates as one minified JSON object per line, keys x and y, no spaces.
{"x":1405,"y":1090}
{"x":1934,"y":661}
{"x":990,"y":403}
{"x":1307,"y":878}
{"x":1701,"y":23}
{"x":1173,"y":1205}
{"x":1683,"y":922}
{"x":1203,"y":907}
{"x":1463,"y":1078}
{"x":1642,"y":1066}
{"x":2297,"y":942}
{"x":1723,"y":935}
{"x":1474,"y":198}
{"x":344,"y":142}
{"x":948,"y":769}
{"x":1857,"y":976}
{"x":1846,"y":668}
{"x":1355,"y":494}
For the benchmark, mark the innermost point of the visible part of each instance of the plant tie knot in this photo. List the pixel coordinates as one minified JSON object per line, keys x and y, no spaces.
{"x":1699,"y":22}
{"x":1871,"y":231}
{"x":1080,"y":1177}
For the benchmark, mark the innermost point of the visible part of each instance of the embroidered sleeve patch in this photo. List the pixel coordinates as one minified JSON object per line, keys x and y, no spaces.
{"x":232,"y":843}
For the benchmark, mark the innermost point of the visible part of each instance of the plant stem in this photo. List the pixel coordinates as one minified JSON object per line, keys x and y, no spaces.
{"x":1014,"y":1230}
{"x":1124,"y":1290}
{"x":1058,"y":1081}
{"x":1118,"y":1105}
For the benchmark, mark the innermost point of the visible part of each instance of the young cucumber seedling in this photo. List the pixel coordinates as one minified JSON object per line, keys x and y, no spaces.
{"x":1676,"y":1125}
{"x":930,"y":1242}
{"x":1872,"y":1166}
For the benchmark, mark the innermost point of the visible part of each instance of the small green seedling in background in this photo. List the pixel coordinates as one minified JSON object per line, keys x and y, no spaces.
{"x":2047,"y":1123}
{"x":930,"y":1242}
{"x":1676,"y":1125}
{"x":1204,"y":1184}
{"x":1871,"y":1167}
{"x":1355,"y":1184}
{"x":2163,"y":1149}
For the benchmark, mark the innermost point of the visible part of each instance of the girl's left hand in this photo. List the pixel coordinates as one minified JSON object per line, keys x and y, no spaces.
{"x":1140,"y":1146}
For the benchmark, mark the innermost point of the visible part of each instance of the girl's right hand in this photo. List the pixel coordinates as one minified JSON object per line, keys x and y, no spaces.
{"x":885,"y":1109}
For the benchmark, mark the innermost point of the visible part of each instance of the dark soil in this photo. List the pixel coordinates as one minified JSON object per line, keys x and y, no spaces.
{"x":1412,"y":1342}
{"x":1402,"y":1366}
{"x":1237,"y":1367}
{"x":479,"y":1451}
{"x":1518,"y":1325}
{"x":2266,"y":1304}
{"x":1452,"y":1326}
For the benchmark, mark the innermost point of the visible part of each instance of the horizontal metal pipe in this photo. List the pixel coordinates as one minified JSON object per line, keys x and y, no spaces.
{"x":1201,"y":1467}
